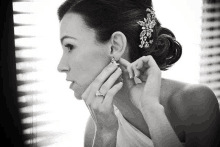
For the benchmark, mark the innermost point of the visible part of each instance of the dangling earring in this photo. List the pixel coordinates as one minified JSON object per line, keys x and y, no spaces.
{"x":114,"y":61}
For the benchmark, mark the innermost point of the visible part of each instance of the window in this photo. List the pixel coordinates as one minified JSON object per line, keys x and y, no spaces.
{"x":54,"y":117}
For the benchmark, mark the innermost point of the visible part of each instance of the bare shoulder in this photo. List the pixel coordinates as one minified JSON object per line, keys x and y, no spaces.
{"x":192,"y":96}
{"x":199,"y":103}
{"x":197,"y":107}
{"x":89,"y":132}
{"x":185,"y":96}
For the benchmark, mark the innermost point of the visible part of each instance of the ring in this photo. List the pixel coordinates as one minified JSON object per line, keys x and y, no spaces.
{"x":98,"y":93}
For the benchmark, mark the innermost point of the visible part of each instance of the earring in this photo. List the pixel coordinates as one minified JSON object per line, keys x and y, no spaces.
{"x":114,"y":61}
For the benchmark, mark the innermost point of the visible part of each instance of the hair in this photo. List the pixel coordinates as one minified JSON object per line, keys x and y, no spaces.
{"x":109,"y":16}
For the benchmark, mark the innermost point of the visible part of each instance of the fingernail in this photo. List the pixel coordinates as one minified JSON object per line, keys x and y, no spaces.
{"x":130,"y":75}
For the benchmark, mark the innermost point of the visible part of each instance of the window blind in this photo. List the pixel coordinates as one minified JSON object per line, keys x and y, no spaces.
{"x":26,"y":66}
{"x":210,"y":46}
{"x":49,"y":110}
{"x":30,"y":66}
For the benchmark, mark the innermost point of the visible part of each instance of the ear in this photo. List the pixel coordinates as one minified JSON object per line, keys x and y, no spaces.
{"x":118,"y":45}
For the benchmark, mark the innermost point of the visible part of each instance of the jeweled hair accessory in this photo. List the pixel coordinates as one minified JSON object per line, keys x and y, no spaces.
{"x":147,"y":28}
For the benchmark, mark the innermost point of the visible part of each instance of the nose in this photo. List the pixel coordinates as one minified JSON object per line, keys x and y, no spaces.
{"x":63,"y":66}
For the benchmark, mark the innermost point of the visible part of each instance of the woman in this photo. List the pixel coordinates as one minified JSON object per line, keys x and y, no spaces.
{"x":130,"y":104}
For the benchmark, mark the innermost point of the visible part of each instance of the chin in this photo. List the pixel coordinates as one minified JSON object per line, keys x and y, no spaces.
{"x":77,"y":96}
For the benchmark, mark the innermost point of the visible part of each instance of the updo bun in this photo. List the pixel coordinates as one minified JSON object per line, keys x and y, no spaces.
{"x":109,"y":16}
{"x":165,"y":49}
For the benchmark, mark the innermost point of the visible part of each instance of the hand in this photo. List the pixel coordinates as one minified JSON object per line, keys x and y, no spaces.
{"x":101,"y":107}
{"x":146,"y":69}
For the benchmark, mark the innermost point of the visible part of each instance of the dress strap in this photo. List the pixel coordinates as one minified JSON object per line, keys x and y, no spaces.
{"x":130,"y":136}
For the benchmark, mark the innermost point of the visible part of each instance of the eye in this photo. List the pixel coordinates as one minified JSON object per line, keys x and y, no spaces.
{"x":70,"y":47}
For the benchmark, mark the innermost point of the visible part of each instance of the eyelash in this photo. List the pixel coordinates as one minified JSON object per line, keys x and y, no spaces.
{"x":69,"y":47}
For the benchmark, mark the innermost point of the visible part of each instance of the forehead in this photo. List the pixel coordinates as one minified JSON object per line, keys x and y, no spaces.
{"x":73,"y":25}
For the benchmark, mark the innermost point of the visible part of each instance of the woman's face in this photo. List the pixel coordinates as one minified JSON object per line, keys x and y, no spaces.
{"x":83,"y":57}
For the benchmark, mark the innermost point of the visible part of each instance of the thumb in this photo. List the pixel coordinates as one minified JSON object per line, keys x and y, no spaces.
{"x":126,"y":70}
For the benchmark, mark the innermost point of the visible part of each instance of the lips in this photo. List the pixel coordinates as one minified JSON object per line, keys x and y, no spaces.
{"x":71,"y":84}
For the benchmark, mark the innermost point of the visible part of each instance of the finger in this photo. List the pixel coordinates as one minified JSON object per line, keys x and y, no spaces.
{"x":151,"y":67}
{"x":135,"y":70}
{"x":124,"y":62}
{"x":144,"y":67}
{"x":140,"y":64}
{"x":85,"y":95}
{"x":143,"y":76}
{"x":111,"y":81}
{"x":139,"y":68}
{"x":108,"y":101}
{"x":153,"y":77}
{"x":130,"y":71}
{"x":126,"y":68}
{"x":151,"y":63}
{"x":102,"y":77}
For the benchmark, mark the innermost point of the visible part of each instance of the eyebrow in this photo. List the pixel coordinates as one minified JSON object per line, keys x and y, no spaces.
{"x":65,"y":37}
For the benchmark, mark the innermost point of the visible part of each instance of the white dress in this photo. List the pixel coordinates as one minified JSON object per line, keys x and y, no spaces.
{"x":128,"y":135}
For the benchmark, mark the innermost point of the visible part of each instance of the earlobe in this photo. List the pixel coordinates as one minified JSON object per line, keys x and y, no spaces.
{"x":118,"y":44}
{"x":111,"y":50}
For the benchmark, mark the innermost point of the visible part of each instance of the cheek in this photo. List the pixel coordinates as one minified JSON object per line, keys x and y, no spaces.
{"x":89,"y":65}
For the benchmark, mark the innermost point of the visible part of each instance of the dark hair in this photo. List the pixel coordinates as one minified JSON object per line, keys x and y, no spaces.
{"x":109,"y":16}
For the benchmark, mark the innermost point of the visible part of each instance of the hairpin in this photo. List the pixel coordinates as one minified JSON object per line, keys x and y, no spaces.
{"x":147,"y":28}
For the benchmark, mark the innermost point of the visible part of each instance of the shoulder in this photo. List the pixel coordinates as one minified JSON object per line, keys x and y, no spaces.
{"x":89,"y":133}
{"x":200,"y":104}
{"x":199,"y":91}
{"x":198,"y":97}
{"x":188,"y":96}
{"x":198,"y":107}
{"x":193,"y":98}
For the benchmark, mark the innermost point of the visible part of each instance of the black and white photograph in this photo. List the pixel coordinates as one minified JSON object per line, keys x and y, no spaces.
{"x":110,"y":73}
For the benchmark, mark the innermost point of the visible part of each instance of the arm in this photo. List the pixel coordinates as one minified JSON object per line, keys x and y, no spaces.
{"x":147,"y":70}
{"x":161,"y":131}
{"x":89,"y":133}
{"x":95,"y":138}
{"x":203,"y":117}
{"x":98,"y":98}
{"x":105,"y":139}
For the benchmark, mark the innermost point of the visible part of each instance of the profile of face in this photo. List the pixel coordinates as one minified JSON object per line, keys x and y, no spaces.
{"x":83,"y":56}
